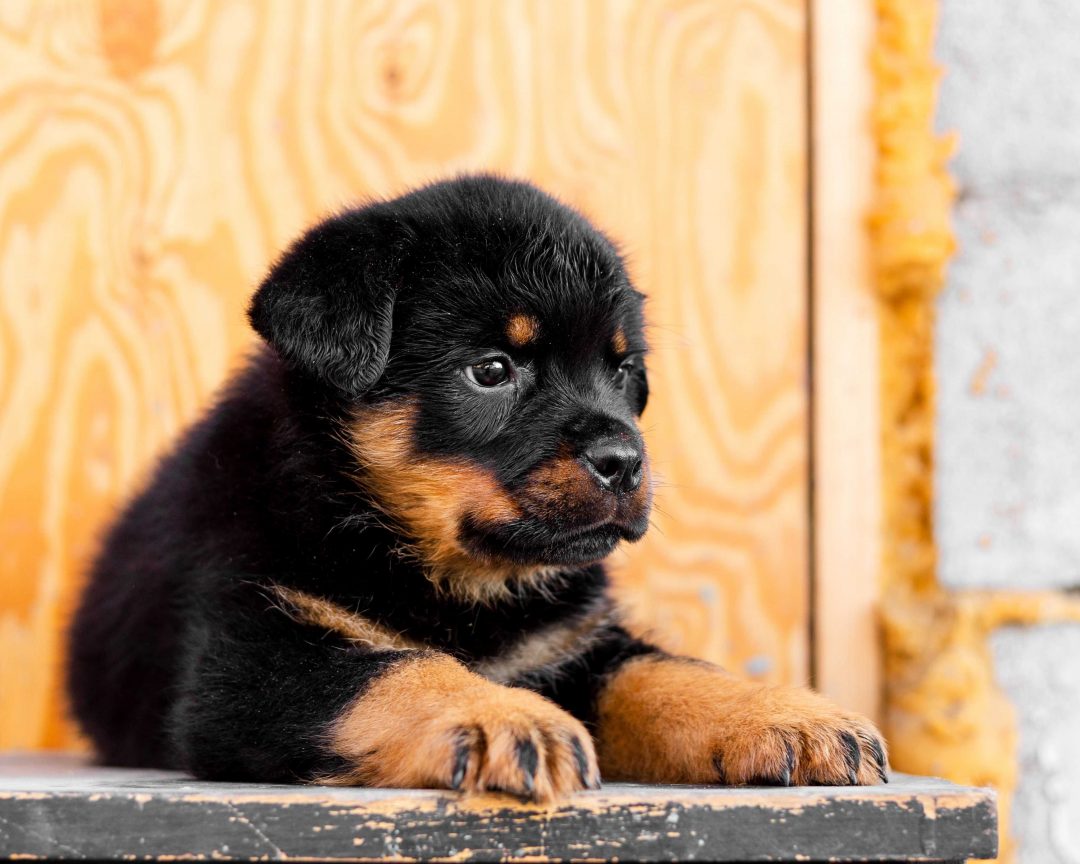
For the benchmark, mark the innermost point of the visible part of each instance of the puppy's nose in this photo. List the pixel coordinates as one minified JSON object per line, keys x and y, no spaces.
{"x":615,"y":465}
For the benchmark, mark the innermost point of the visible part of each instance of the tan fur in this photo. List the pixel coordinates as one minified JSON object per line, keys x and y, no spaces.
{"x":547,"y":647}
{"x":619,"y":343}
{"x":319,"y":612}
{"x":672,"y":720}
{"x":562,"y":487}
{"x":416,"y":724}
{"x":429,"y":497}
{"x":522,"y":329}
{"x":643,"y":495}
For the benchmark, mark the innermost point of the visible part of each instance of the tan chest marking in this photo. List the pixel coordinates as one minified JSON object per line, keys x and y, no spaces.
{"x":547,"y":648}
{"x":543,"y":649}
{"x":318,"y":612}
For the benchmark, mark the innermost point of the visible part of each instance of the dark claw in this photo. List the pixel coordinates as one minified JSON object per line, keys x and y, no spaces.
{"x":783,"y":777}
{"x":718,"y":766}
{"x":583,"y":765}
{"x":528,"y":760}
{"x":852,"y":756}
{"x":879,"y":758}
{"x":789,"y":765}
{"x":461,"y":763}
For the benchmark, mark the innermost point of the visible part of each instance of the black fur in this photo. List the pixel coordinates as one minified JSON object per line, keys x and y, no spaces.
{"x":180,"y":656}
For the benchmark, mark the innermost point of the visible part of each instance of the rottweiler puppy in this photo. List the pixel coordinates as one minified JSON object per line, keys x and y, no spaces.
{"x":378,"y":559}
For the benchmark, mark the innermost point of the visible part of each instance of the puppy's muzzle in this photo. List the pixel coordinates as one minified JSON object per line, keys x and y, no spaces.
{"x":615,"y":465}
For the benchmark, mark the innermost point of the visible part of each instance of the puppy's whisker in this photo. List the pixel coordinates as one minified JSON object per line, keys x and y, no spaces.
{"x":656,"y":528}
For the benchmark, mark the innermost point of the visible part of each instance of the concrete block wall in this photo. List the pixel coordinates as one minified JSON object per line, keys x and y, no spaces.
{"x":1007,"y":501}
{"x":1039,"y":670}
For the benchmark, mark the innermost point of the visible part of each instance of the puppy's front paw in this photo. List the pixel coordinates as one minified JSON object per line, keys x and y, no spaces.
{"x":517,"y":744}
{"x":787,"y":736}
{"x":432,"y":723}
{"x":671,"y":720}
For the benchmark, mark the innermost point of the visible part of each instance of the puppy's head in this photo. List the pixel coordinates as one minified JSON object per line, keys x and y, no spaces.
{"x":489,"y":347}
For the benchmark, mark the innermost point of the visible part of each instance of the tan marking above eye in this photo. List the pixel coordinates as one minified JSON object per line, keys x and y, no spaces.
{"x":619,"y":341}
{"x":522,"y":329}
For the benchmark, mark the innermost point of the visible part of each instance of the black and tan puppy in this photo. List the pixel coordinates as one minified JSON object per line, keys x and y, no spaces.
{"x":377,"y":560}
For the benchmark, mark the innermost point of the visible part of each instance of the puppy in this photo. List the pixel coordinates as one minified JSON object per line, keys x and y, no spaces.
{"x":378,"y":559}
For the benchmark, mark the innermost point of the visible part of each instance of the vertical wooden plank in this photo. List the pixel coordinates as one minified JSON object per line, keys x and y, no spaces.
{"x":847,"y":466}
{"x":157,"y":154}
{"x":724,"y":573}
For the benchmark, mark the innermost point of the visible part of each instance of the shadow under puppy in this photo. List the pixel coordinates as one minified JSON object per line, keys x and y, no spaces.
{"x":378,"y":559}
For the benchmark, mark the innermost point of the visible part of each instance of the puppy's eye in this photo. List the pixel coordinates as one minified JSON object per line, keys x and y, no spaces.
{"x":622,"y":374}
{"x":490,"y":372}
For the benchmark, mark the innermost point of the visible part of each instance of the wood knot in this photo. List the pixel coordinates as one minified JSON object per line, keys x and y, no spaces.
{"x":129,"y":34}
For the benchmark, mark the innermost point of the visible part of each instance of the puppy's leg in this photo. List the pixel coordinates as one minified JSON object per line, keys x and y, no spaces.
{"x":267,"y":698}
{"x":428,"y":721}
{"x":664,"y":719}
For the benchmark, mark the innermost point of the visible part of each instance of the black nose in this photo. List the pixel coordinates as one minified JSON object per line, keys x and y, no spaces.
{"x":615,"y":465}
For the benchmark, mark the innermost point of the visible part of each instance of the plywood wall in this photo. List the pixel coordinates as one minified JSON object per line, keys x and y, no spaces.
{"x":155,"y":155}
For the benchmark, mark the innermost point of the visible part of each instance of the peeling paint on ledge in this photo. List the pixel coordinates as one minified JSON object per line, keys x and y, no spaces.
{"x":945,"y":714}
{"x":96,"y":813}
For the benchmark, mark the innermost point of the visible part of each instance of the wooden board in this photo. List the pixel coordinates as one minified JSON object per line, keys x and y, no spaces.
{"x":847,"y":411}
{"x":62,"y":810}
{"x":156,"y":155}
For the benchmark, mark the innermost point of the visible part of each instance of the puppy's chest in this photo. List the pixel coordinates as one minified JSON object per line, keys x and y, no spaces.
{"x":504,"y":650}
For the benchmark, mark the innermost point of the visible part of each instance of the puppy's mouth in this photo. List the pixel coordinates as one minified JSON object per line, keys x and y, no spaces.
{"x":562,"y":518}
{"x":458,"y":514}
{"x":533,"y":541}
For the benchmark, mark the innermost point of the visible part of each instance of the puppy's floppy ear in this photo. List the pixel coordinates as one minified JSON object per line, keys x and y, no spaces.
{"x":327,"y":305}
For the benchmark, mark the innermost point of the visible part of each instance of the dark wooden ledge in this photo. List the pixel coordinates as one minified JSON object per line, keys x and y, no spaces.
{"x":60,"y":808}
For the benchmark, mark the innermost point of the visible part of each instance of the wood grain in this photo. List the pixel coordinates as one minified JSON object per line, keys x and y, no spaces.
{"x":156,"y":155}
{"x":56,"y":808}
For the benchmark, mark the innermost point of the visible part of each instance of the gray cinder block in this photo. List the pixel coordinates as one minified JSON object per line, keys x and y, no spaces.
{"x":1037,"y":667}
{"x":1008,"y":338}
